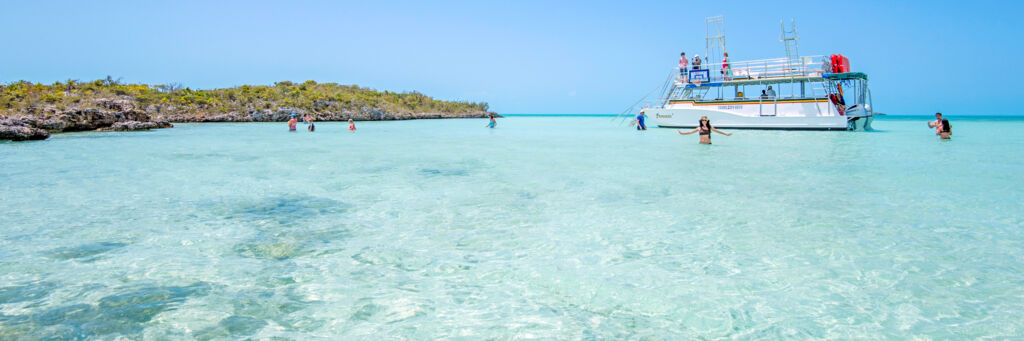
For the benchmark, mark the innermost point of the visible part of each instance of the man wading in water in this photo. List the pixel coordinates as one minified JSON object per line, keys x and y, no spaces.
{"x":639,"y":120}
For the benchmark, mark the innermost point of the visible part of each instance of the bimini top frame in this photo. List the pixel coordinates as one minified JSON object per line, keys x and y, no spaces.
{"x":782,"y":80}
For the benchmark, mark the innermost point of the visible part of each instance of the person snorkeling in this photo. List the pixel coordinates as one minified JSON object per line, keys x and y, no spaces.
{"x":705,"y":128}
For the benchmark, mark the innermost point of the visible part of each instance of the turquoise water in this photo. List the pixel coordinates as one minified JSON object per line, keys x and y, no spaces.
{"x":546,"y":228}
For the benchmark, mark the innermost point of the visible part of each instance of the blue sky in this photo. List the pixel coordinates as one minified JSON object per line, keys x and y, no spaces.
{"x":590,"y":57}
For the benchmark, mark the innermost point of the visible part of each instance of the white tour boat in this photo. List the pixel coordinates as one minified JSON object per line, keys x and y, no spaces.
{"x":806,"y":92}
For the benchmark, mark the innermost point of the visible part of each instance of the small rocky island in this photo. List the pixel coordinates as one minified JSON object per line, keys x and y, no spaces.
{"x":32,"y":111}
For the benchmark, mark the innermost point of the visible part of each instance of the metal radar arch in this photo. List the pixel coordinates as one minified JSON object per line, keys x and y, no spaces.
{"x":791,"y":39}
{"x":714,"y":46}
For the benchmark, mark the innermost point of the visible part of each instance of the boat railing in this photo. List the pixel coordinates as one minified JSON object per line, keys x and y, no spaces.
{"x":806,"y":66}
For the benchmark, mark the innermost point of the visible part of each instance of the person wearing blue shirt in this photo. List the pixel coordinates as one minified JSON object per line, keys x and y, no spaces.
{"x":640,"y":121}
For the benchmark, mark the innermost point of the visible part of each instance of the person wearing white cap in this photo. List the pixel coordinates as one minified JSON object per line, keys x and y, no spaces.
{"x":696,"y":62}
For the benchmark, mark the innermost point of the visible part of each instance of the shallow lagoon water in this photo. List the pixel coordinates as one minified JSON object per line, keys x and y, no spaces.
{"x":546,"y":227}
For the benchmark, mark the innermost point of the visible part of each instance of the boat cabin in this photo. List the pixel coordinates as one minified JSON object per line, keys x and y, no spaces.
{"x":771,"y":82}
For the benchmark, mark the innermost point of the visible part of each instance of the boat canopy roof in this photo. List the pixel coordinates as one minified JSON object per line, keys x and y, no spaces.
{"x":766,"y":71}
{"x":783,"y":80}
{"x":758,"y":81}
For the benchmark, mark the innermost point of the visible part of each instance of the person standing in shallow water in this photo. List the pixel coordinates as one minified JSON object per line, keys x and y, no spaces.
{"x":351,"y":125}
{"x":942,"y":127}
{"x":292,"y":122}
{"x":640,"y":125}
{"x":705,"y":128}
{"x":492,"y":122}
{"x":309,"y":120}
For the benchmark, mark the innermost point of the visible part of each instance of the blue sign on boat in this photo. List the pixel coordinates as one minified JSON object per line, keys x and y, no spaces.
{"x":700,"y":76}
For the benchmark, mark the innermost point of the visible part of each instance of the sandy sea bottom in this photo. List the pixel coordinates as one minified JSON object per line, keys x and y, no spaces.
{"x":546,"y":227}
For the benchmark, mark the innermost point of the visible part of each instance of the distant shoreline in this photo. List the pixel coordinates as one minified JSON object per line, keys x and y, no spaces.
{"x":25,"y":127}
{"x":882,"y":117}
{"x":32,"y":111}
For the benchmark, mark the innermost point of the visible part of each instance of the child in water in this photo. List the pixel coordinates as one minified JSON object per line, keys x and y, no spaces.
{"x":351,"y":125}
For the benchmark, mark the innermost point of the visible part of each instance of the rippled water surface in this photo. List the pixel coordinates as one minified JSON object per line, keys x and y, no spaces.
{"x":549,"y":227}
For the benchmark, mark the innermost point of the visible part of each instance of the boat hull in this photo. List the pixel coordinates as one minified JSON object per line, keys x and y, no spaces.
{"x":688,"y":118}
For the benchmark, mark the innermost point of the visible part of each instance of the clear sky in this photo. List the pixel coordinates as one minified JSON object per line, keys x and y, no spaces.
{"x":586,"y":57}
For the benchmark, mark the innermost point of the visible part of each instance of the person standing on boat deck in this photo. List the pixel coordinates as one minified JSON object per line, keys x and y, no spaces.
{"x":764,"y":95}
{"x":705,"y":128}
{"x":942,"y":126}
{"x":696,"y":62}
{"x":771,"y":93}
{"x":682,"y":66}
{"x":726,"y":69}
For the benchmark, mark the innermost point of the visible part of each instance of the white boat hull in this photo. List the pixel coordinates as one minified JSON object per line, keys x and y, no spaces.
{"x":816,"y":115}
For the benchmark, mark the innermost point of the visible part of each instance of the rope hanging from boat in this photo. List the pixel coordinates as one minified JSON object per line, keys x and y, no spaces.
{"x":626,"y":113}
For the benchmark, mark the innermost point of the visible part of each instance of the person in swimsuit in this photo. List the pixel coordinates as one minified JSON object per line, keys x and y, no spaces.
{"x":292,"y":122}
{"x":492,"y":122}
{"x":309,"y":120}
{"x":726,"y":68}
{"x":351,"y":125}
{"x":705,"y":128}
{"x":941,"y":126}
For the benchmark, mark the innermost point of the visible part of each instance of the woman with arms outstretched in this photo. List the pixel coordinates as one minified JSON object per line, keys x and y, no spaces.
{"x":705,"y":128}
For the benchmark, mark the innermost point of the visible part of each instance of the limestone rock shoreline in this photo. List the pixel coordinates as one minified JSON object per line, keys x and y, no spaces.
{"x":122,"y":115}
{"x":281,"y":115}
{"x":24,"y":127}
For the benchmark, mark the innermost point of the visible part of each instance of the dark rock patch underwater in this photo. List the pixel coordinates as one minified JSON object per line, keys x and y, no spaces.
{"x":84,"y":251}
{"x":124,"y":314}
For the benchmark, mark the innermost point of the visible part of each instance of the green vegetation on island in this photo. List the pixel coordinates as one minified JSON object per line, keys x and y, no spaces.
{"x":32,"y":110}
{"x":27,"y":98}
